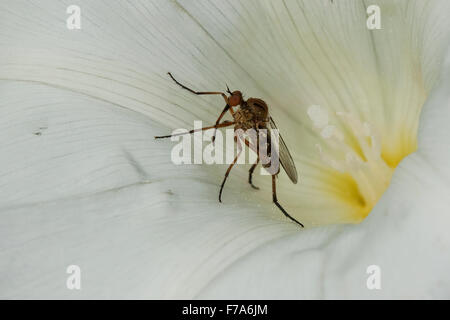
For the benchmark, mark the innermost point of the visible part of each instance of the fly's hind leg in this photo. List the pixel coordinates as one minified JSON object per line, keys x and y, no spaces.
{"x":275,"y":200}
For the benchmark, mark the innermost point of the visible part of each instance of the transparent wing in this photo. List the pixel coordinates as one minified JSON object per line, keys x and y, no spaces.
{"x":285,"y":157}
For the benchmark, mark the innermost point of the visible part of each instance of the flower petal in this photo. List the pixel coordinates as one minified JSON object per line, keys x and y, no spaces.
{"x":434,"y":133}
{"x":85,"y":183}
{"x":300,"y":54}
{"x":123,"y":59}
{"x":406,"y":236}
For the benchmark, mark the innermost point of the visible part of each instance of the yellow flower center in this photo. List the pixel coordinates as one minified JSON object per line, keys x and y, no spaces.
{"x":361,"y":166}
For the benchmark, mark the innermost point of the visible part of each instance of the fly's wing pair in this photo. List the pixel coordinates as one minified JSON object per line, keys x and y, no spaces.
{"x":274,"y":147}
{"x":285,"y":157}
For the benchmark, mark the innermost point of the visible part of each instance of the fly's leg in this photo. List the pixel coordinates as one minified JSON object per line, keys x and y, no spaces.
{"x":224,"y":111}
{"x":229,"y":168}
{"x":253,"y":167}
{"x":197,"y":92}
{"x":274,"y":198}
{"x":221,"y":125}
{"x":250,"y":174}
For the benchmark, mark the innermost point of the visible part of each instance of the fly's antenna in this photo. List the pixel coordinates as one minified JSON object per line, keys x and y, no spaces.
{"x":228,"y":89}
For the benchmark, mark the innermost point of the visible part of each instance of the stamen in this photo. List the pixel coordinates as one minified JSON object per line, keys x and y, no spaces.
{"x":363,"y":162}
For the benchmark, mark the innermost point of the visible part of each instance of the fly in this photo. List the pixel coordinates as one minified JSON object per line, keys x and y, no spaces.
{"x":252,"y":113}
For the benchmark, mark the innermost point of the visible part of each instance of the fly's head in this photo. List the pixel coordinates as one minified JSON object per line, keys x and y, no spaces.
{"x":234,"y":98}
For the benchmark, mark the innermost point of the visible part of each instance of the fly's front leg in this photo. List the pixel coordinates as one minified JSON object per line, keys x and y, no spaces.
{"x":224,"y":96}
{"x":224,"y":111}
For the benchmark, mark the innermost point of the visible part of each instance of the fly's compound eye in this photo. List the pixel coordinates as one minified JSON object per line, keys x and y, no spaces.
{"x":235,"y":99}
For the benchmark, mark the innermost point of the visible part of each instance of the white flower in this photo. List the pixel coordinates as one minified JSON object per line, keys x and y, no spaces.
{"x":85,"y":183}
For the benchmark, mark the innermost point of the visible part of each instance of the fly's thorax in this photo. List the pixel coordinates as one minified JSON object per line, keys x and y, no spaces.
{"x":243,"y":119}
{"x":258,"y":108}
{"x":253,"y":113}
